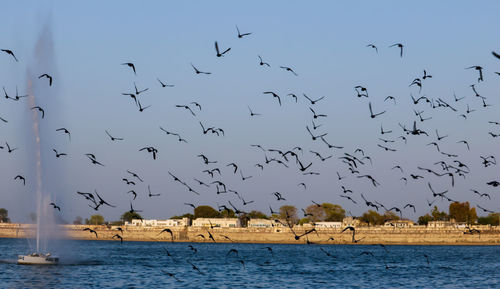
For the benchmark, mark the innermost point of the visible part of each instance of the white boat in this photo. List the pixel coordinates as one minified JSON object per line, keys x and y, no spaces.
{"x":37,"y":259}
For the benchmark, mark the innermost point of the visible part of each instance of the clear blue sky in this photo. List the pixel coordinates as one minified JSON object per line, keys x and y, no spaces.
{"x":324,"y":42}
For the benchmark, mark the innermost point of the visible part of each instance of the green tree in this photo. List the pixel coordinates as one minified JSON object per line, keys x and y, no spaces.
{"x":492,"y":219}
{"x":289,"y":213}
{"x":425,"y":219}
{"x":373,"y":218}
{"x":462,"y":212}
{"x":205,"y":212}
{"x":334,"y":213}
{"x":390,"y":216}
{"x":227,"y":214}
{"x":257,"y":215}
{"x":438,"y":215}
{"x":187,"y":215}
{"x":128,"y":216}
{"x":317,"y":213}
{"x":95,"y":220}
{"x":4,"y":216}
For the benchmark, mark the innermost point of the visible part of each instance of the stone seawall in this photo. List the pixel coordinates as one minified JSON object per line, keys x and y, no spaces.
{"x":366,"y":235}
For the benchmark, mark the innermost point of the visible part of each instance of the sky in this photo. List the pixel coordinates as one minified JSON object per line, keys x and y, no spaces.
{"x":82,"y":45}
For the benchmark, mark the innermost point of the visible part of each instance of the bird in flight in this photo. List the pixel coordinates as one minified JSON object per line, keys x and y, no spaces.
{"x":219,"y":54}
{"x":164,"y":84}
{"x":65,"y":131}
{"x":400,"y":48}
{"x":262,"y":62}
{"x":372,"y":115}
{"x":48,"y":77}
{"x":131,"y":65}
{"x":21,"y":178}
{"x":288,"y":69}
{"x":274,"y":95}
{"x":372,"y":46}
{"x":40,"y":110}
{"x":313,"y":102}
{"x":480,"y":69}
{"x":91,"y":231}
{"x":199,"y":71}
{"x":10,"y":52}
{"x":241,"y":35}
{"x":58,"y":154}
{"x":56,"y":207}
{"x":112,"y":137}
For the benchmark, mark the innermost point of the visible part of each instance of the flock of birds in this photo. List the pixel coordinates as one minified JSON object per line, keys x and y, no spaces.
{"x":354,"y":160}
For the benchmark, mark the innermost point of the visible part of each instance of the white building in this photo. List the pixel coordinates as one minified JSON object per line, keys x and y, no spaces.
{"x":184,"y":222}
{"x":217,"y":222}
{"x":265,"y":223}
{"x":335,"y":225}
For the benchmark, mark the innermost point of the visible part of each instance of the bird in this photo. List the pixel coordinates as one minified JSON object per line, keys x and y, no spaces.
{"x":19,"y":177}
{"x":289,"y":69}
{"x":133,"y":193}
{"x":253,"y":113}
{"x":119,"y":237}
{"x":168,"y":231}
{"x":135,"y":175}
{"x":313,"y":102}
{"x":9,"y":149}
{"x":64,"y":130}
{"x":56,"y":207}
{"x":46,"y":76}
{"x":151,"y":150}
{"x":199,"y":71}
{"x":128,"y":182}
{"x":151,"y":194}
{"x":274,"y":95}
{"x":142,"y":108}
{"x":131,"y":65}
{"x":372,"y":115}
{"x":315,"y":116}
{"x":112,"y":137}
{"x":261,"y":63}
{"x":59,"y":154}
{"x":91,"y":231}
{"x":40,"y":110}
{"x":219,"y":54}
{"x":241,"y":35}
{"x":137,"y":92}
{"x":10,"y":53}
{"x":164,"y":84}
{"x":372,"y":46}
{"x":400,"y":48}
{"x":92,"y":158}
{"x":480,"y":70}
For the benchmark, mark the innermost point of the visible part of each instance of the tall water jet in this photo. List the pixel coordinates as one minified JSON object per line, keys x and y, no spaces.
{"x":45,"y":222}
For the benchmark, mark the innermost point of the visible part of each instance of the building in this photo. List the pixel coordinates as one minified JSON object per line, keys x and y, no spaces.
{"x":217,"y":222}
{"x":440,"y":224}
{"x":184,"y":222}
{"x":350,"y":221}
{"x":333,"y":225}
{"x":265,"y":223}
{"x":399,"y":224}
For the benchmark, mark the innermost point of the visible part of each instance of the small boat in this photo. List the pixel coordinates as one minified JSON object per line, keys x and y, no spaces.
{"x":37,"y":259}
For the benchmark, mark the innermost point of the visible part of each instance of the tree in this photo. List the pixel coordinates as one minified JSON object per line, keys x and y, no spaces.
{"x":317,"y":213}
{"x":257,"y":215}
{"x":227,"y":214}
{"x":78,"y":221}
{"x":334,"y":213}
{"x":128,"y":216}
{"x":289,"y":213}
{"x":205,"y":212}
{"x":390,"y":216}
{"x":95,"y":220}
{"x":492,"y":219}
{"x":373,"y":218}
{"x":4,"y":216}
{"x":425,"y":219}
{"x":439,"y":216}
{"x":462,"y":212}
{"x":187,"y":215}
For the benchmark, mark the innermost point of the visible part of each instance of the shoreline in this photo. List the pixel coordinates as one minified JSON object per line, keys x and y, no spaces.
{"x":283,"y":235}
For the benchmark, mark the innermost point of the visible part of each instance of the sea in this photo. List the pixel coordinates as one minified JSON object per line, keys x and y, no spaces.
{"x":111,"y":264}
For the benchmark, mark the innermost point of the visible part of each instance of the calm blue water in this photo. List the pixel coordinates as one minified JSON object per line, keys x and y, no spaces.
{"x":103,"y":264}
